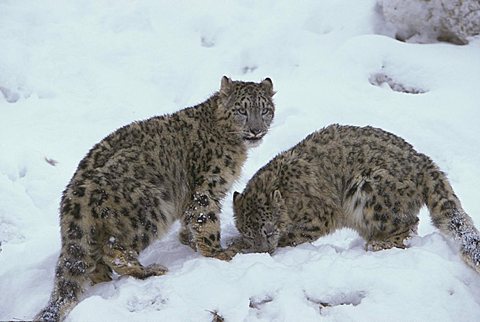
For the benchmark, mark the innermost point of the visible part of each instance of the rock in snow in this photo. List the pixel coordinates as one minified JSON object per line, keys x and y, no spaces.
{"x":429,"y":20}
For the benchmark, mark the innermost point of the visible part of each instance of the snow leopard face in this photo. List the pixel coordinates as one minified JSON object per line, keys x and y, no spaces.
{"x":252,"y":107}
{"x":260,"y":220}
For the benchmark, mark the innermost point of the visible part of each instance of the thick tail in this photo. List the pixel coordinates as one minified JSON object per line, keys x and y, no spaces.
{"x":75,"y":266}
{"x":449,"y":217}
{"x":67,"y":289}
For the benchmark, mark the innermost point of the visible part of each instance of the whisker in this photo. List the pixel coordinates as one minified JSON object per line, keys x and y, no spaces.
{"x":236,"y":132}
{"x":273,"y":126}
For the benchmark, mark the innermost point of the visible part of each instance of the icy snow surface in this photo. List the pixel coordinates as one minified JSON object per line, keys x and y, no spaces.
{"x":73,"y":71}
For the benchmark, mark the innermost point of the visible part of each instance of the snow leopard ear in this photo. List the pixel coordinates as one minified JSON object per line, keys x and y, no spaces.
{"x":268,"y":85}
{"x":277,"y":198}
{"x":236,"y":195}
{"x":226,"y":85}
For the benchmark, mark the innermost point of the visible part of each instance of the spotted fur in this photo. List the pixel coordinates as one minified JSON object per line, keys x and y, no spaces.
{"x":362,"y":178}
{"x":137,"y":181}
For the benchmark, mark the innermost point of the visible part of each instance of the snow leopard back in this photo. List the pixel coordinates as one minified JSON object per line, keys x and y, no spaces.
{"x":362,"y":178}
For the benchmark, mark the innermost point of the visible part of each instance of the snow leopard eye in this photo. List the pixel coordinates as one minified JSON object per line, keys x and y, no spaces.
{"x":242,"y":110}
{"x":265,"y":111}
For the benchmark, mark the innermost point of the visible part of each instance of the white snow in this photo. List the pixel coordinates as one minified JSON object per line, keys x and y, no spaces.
{"x":73,"y":71}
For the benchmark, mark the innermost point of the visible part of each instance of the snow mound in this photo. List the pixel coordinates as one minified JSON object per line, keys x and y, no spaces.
{"x":421,"y":21}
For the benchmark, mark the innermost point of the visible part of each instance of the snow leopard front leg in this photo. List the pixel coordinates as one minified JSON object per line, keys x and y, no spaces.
{"x":202,"y":222}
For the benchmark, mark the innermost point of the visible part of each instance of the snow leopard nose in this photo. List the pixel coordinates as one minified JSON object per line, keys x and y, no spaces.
{"x":256,"y":132}
{"x":268,"y":230}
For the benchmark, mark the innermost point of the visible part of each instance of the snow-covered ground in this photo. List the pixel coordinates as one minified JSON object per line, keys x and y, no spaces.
{"x":73,"y":71}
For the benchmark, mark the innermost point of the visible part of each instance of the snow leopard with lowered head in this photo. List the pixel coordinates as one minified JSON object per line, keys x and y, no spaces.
{"x":362,"y":178}
{"x":137,"y":181}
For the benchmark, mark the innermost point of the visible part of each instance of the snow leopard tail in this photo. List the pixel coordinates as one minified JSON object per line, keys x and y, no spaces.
{"x":65,"y":294}
{"x":75,"y":266}
{"x":449,"y":217}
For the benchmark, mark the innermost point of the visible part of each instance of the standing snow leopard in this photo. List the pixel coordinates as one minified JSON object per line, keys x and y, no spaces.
{"x":137,"y":181}
{"x":362,"y":178}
